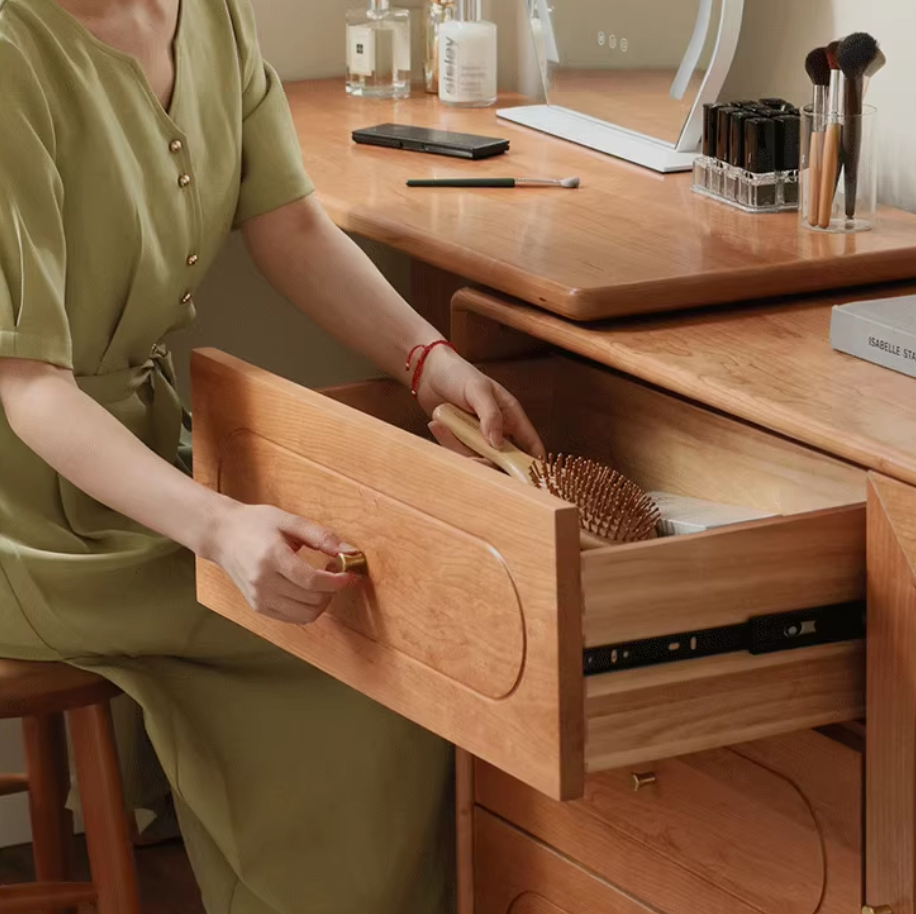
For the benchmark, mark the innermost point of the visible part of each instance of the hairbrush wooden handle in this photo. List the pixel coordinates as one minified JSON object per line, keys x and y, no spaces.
{"x":830,"y":173}
{"x":509,"y":458}
{"x":466,"y":428}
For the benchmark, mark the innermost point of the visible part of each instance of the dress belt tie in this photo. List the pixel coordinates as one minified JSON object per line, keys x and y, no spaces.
{"x":153,"y":382}
{"x":111,"y":386}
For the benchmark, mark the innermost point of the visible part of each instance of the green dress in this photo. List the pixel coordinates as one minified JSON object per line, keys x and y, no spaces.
{"x":295,"y":794}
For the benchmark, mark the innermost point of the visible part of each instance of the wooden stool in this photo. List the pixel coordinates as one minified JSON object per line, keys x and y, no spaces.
{"x":41,"y":694}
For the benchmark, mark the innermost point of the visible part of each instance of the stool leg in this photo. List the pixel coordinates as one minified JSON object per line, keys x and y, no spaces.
{"x":49,"y":783}
{"x":111,"y":857}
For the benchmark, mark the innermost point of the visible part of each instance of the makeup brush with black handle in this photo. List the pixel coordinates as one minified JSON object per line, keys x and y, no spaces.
{"x":818,"y":68}
{"x":569,"y":183}
{"x":856,"y":55}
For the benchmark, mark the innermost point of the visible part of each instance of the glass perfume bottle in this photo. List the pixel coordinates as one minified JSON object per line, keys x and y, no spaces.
{"x":378,"y":51}
{"x":467,"y":58}
{"x":437,"y":12}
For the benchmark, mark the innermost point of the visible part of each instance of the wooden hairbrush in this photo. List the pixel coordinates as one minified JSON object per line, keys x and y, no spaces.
{"x":612,"y":508}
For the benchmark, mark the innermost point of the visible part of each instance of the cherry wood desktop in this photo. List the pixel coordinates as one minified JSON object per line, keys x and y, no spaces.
{"x":627,"y":241}
{"x":784,"y":782}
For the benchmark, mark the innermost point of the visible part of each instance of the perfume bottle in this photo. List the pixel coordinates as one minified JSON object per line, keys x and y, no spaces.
{"x":436,"y":13}
{"x":378,"y":51}
{"x":467,"y":58}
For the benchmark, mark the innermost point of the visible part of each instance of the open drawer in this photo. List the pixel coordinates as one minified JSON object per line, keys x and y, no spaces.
{"x":478,"y":605}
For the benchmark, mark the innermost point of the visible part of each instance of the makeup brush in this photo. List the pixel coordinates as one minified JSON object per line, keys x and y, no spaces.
{"x":856,"y":55}
{"x":611,"y":507}
{"x":831,"y":59}
{"x":494,"y":182}
{"x":877,"y":64}
{"x":830,"y":167}
{"x":818,"y":68}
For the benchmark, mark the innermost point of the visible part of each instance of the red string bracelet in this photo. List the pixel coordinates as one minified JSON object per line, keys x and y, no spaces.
{"x":421,"y":361}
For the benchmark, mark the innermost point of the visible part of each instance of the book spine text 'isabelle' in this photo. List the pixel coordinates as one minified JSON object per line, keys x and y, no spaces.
{"x":866,"y":339}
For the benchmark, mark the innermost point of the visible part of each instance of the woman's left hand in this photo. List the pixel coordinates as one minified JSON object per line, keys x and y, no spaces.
{"x":448,"y":378}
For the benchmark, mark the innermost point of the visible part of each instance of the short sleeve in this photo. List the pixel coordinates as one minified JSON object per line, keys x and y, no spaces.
{"x":33,"y":317}
{"x":272,"y":170}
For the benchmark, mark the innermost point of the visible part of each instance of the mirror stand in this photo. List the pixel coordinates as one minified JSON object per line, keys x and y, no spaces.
{"x":611,"y":139}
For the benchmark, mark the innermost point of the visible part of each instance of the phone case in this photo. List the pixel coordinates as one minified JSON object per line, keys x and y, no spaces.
{"x":436,"y":142}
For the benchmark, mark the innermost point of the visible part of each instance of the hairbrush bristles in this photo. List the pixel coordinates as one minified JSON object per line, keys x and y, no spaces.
{"x":831,"y":50}
{"x":610,"y":505}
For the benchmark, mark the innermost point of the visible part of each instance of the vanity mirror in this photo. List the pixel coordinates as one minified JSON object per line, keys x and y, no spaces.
{"x":630,"y":77}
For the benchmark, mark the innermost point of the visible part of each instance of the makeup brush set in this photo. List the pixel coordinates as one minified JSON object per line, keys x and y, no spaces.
{"x":836,"y":124}
{"x":750,"y":155}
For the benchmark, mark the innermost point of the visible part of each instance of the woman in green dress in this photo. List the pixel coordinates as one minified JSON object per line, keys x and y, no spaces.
{"x":134,"y":136}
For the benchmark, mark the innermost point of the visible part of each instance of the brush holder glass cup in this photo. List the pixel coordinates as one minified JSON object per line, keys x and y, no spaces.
{"x":839,"y":172}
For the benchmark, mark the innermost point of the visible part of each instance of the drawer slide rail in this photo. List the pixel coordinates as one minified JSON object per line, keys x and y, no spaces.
{"x":759,"y":635}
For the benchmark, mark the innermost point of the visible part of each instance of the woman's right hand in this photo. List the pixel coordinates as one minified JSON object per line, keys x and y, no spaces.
{"x":257,"y":546}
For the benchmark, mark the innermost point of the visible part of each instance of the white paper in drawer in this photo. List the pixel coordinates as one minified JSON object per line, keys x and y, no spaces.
{"x":682,"y":514}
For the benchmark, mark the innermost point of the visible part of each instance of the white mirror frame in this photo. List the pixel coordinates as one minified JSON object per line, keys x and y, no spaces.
{"x":636,"y":147}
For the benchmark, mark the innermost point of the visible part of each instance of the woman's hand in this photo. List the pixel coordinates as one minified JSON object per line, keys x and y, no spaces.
{"x":257,"y":546}
{"x":448,"y":378}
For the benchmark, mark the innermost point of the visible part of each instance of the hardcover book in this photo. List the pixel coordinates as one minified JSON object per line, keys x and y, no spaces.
{"x":881,"y":331}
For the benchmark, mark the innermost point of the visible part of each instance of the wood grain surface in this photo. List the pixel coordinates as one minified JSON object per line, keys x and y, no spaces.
{"x":772,"y":825}
{"x":419,"y":513}
{"x":890,"y":793}
{"x":770,"y":365}
{"x":628,"y":241}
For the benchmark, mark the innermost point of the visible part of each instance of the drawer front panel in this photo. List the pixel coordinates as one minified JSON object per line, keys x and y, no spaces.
{"x":517,"y":875}
{"x":770,"y":826}
{"x":474,"y":635}
{"x":469,"y":622}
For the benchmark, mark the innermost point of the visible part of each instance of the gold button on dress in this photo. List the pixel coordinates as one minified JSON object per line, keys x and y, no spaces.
{"x":294,"y":793}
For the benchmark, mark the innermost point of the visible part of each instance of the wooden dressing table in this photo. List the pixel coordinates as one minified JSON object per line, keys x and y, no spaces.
{"x":724,"y":783}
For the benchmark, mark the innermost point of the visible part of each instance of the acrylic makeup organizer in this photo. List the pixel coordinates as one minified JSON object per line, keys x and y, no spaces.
{"x":750,"y":156}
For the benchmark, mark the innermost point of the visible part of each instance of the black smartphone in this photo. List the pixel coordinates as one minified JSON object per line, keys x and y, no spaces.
{"x":438,"y":142}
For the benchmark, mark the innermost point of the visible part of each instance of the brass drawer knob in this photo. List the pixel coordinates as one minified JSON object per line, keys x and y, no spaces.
{"x":644,"y":779}
{"x":352,"y":562}
{"x":877,"y":909}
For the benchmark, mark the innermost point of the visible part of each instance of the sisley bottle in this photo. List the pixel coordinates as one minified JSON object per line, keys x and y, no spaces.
{"x":436,"y":13}
{"x":467,"y":58}
{"x":378,"y":51}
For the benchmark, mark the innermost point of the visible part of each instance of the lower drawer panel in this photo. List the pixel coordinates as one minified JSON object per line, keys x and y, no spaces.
{"x":770,"y":826}
{"x":516,"y":874}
